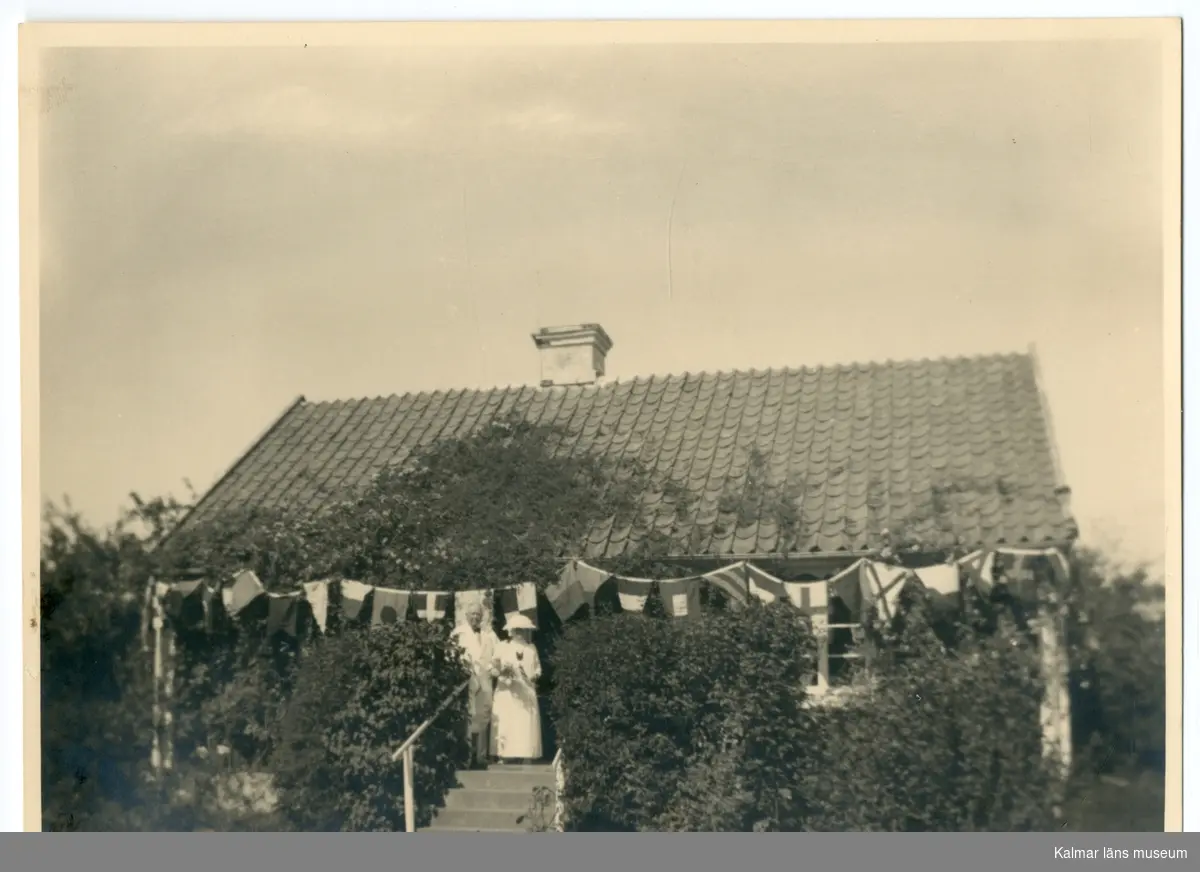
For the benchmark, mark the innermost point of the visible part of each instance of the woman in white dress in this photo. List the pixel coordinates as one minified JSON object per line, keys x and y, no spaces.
{"x":478,"y":644}
{"x":516,"y":718}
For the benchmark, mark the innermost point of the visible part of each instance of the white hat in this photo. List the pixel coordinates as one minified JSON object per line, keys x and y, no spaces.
{"x":518,"y":621}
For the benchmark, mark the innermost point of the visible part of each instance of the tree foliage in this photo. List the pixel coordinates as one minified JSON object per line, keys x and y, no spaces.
{"x":95,"y":691}
{"x":1116,"y":634}
{"x":948,"y":738}
{"x":652,"y":713}
{"x":356,"y":698}
{"x":501,"y":505}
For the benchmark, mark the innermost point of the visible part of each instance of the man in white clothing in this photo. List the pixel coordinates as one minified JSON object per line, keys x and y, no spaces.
{"x":478,"y":644}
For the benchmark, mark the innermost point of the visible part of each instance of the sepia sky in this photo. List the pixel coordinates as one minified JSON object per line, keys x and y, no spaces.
{"x":225,"y":229}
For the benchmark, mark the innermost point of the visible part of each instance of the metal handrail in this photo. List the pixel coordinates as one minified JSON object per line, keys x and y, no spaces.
{"x":406,"y":751}
{"x":416,"y":734}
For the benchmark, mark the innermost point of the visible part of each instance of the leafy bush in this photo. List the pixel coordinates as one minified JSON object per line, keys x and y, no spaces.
{"x":703,"y":726}
{"x":944,"y":740}
{"x":652,"y":713}
{"x":95,"y":690}
{"x":356,"y":697}
{"x":1117,"y":636}
{"x":501,"y":504}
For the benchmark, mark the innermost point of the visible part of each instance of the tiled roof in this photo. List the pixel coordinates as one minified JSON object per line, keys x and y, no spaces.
{"x":864,"y":447}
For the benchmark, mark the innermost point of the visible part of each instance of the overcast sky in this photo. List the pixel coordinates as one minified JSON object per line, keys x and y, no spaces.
{"x":223,"y":230}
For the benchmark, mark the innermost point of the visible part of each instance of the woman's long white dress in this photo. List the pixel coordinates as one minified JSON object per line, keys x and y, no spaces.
{"x":516,"y":718}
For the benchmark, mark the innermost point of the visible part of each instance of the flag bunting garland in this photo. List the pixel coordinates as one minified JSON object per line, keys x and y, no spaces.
{"x":866,"y":587}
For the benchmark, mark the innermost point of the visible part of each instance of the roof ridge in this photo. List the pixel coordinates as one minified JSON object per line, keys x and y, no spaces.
{"x":752,"y":372}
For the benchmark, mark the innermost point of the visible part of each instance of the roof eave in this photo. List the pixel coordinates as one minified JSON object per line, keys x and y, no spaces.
{"x":259,"y":440}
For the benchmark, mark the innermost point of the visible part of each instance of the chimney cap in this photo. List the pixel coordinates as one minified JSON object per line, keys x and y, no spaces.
{"x":574,"y":334}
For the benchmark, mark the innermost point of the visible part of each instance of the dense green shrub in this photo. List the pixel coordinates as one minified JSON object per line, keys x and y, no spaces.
{"x":943,"y":739}
{"x":652,"y":713}
{"x":95,"y":689}
{"x":1117,"y":636}
{"x":355,"y":698}
{"x":676,"y":725}
{"x":498,"y":506}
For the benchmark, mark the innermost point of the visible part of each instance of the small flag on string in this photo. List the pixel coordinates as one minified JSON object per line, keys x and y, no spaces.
{"x":941,"y":579}
{"x":1060,"y":566}
{"x":848,"y":586}
{"x":390,"y":606}
{"x":810,"y":597}
{"x":576,"y":587}
{"x":520,"y":598}
{"x":246,"y":588}
{"x":317,"y":594}
{"x":886,"y":584}
{"x":566,"y":595}
{"x":732,"y":581}
{"x":978,"y":567}
{"x":354,"y":595}
{"x":681,"y":597}
{"x":179,"y":596}
{"x":432,"y":606}
{"x":633,"y":593}
{"x":763,"y":587}
{"x":527,"y":597}
{"x":283,"y":613}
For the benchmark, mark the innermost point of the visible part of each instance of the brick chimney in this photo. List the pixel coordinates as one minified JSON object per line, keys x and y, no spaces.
{"x":572,"y":355}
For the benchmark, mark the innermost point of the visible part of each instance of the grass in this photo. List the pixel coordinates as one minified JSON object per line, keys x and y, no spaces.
{"x":1128,"y":801}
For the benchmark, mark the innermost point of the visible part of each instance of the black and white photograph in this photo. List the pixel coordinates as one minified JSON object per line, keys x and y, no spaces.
{"x":550,"y":428}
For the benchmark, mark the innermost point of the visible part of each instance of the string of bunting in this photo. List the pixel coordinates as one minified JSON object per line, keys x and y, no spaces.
{"x":867,"y":586}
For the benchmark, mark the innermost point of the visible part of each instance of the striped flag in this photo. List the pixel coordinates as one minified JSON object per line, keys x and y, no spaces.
{"x":732,"y":581}
{"x":763,"y":587}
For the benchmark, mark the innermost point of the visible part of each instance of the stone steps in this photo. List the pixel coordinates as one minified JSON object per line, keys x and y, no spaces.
{"x":498,"y":799}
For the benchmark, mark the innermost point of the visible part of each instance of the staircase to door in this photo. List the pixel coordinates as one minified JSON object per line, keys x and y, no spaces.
{"x":499,"y":799}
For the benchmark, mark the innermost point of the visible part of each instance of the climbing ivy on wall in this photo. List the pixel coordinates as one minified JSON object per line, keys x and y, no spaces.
{"x":500,"y":506}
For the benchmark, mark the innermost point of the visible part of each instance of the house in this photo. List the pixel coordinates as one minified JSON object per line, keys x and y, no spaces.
{"x":932,"y":457}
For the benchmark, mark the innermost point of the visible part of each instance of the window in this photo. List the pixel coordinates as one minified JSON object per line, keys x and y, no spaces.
{"x":843,"y":655}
